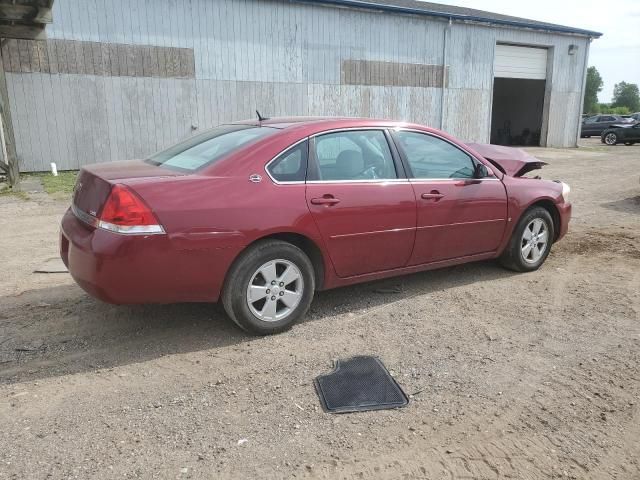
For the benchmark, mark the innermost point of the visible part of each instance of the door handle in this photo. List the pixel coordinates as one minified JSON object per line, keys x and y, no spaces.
{"x":326,"y":200}
{"x":433,"y":195}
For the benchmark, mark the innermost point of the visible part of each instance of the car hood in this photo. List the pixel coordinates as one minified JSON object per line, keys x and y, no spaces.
{"x":509,"y":160}
{"x":622,"y":125}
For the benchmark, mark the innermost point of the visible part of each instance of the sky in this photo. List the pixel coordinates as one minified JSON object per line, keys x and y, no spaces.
{"x":616,"y":54}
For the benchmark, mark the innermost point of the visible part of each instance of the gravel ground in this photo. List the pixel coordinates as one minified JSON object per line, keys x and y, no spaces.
{"x":521,"y":376}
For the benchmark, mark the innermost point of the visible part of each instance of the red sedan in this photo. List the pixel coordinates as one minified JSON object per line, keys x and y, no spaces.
{"x":262,"y":214}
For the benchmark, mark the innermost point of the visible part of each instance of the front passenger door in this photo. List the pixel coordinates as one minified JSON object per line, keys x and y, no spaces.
{"x":458,"y":215}
{"x":633,"y":133}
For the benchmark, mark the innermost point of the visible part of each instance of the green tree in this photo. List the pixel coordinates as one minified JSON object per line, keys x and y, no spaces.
{"x":591,"y":90}
{"x":608,"y":109}
{"x":626,"y":95}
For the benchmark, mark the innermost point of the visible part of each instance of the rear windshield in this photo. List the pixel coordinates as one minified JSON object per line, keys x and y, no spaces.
{"x":208,"y":147}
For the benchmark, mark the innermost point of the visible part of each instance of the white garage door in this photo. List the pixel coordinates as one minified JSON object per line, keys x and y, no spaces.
{"x":520,"y":62}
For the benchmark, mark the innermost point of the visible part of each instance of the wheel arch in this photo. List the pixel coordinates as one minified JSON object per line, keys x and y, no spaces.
{"x":304,"y":243}
{"x":608,"y":132}
{"x":550,"y":207}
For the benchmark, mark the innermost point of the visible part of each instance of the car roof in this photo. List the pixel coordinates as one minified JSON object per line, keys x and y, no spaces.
{"x":328,"y":122}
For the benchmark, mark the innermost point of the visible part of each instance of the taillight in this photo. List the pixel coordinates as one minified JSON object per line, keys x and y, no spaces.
{"x":125,"y":212}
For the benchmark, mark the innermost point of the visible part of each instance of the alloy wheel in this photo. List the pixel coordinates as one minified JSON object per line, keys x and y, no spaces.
{"x":275,"y":290}
{"x":535,"y":239}
{"x":610,"y":139}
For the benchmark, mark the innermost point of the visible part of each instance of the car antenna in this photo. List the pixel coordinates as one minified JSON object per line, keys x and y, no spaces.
{"x":260,"y":117}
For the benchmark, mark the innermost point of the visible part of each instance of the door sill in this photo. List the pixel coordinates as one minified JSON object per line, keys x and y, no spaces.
{"x":366,"y":277}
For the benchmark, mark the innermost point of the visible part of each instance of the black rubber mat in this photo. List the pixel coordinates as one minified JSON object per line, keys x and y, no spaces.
{"x":359,"y":384}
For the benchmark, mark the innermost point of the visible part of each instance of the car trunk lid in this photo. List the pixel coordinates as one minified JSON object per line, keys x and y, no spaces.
{"x":95,"y":181}
{"x":509,"y":160}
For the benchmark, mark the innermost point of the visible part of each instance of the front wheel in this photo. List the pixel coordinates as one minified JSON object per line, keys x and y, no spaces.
{"x":269,"y":287}
{"x":611,"y":138}
{"x":530,"y":241}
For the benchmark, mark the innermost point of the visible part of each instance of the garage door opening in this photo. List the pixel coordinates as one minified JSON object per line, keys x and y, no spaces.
{"x":516,"y":118}
{"x":519,"y":86}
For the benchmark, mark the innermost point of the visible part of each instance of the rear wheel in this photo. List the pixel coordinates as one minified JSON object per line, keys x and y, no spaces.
{"x":269,"y":287}
{"x":629,"y":143}
{"x":530,"y":241}
{"x":611,"y":138}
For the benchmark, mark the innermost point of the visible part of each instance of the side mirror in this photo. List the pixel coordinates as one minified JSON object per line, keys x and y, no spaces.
{"x":481,"y":171}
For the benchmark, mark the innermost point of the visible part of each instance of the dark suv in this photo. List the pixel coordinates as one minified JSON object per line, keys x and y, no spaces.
{"x":599,"y":123}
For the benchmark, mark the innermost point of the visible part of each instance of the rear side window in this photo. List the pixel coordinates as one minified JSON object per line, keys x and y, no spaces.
{"x":291,"y":165}
{"x":210,"y":146}
{"x":607,"y":119}
{"x":353,"y":155}
{"x":432,"y":157}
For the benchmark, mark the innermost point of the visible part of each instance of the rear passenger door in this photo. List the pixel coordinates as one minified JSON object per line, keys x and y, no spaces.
{"x":361,"y":201}
{"x":589,"y":126}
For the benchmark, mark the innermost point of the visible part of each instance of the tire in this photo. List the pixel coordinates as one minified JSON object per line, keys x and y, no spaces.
{"x":515,"y":256}
{"x":610,"y":138}
{"x":629,"y":143}
{"x":269,"y":258}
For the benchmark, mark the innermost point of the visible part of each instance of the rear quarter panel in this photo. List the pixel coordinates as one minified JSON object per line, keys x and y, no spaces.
{"x":210,"y":220}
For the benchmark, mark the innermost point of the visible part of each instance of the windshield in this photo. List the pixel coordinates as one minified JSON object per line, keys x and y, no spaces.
{"x":208,"y":147}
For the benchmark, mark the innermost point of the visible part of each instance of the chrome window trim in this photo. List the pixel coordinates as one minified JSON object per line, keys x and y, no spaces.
{"x":461,"y":179}
{"x":395,"y":180}
{"x":367,"y":180}
{"x":293,"y":182}
{"x":347,"y":129}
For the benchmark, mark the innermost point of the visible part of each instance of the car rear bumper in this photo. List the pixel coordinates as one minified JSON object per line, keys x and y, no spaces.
{"x":133,"y":269}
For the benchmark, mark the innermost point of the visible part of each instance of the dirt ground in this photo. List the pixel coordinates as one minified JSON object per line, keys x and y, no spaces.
{"x":521,"y":376}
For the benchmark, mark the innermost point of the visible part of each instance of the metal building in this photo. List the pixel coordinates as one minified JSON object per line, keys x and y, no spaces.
{"x":120,"y":79}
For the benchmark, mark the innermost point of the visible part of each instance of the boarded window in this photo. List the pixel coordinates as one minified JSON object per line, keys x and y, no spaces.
{"x":96,"y":58}
{"x":368,"y":72}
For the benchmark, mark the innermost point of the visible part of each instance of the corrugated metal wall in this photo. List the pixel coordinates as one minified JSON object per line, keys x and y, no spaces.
{"x":280,"y":57}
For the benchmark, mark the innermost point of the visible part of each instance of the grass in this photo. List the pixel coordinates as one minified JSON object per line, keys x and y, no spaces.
{"x":14,"y":193}
{"x":63,"y":183}
{"x":60,"y":186}
{"x":5,"y":192}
